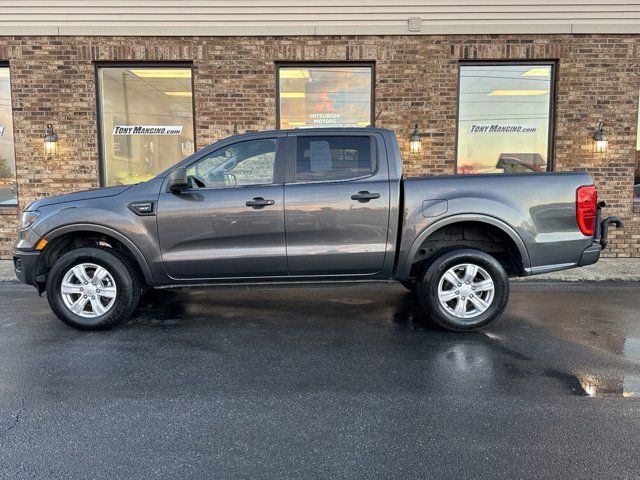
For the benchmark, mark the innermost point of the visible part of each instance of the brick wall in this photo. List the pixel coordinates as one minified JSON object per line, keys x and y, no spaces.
{"x":416,"y":82}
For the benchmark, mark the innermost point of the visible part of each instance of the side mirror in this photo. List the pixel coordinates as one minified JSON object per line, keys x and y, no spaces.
{"x":178,"y":180}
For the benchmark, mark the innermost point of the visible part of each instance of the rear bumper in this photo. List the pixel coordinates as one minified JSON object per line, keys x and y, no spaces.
{"x":590,"y":255}
{"x":25,"y":265}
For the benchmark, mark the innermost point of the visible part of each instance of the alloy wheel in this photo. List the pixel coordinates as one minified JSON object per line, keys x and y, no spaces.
{"x":466,"y":290}
{"x":88,"y":290}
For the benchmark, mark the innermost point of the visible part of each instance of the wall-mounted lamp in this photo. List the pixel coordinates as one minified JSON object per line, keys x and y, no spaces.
{"x":50,"y":140}
{"x":600,"y":139}
{"x":415,"y":141}
{"x":186,"y":146}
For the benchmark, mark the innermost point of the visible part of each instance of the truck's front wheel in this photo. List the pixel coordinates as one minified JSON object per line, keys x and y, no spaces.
{"x":464,"y":289}
{"x":93,"y":288}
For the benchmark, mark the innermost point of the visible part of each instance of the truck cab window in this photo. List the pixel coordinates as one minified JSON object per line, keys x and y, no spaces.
{"x":240,"y":164}
{"x":333,"y":158}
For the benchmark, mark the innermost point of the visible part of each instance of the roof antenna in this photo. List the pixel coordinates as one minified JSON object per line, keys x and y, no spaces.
{"x":235,"y":129}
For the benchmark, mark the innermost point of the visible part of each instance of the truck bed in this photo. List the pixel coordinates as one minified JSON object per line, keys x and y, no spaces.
{"x":539,"y":209}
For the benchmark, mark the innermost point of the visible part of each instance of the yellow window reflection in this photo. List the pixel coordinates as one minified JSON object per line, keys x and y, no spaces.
{"x":324,"y":96}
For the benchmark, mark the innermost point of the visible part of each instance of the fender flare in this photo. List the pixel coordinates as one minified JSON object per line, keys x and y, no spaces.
{"x":471,"y":217}
{"x":94,"y":227}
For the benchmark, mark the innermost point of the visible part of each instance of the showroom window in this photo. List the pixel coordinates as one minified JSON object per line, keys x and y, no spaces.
{"x":505,"y":118}
{"x":636,"y":174}
{"x":8,"y":187}
{"x":325,"y":95}
{"x":146,"y":120}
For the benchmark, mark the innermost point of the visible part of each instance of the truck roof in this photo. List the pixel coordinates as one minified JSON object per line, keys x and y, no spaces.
{"x":327,"y":130}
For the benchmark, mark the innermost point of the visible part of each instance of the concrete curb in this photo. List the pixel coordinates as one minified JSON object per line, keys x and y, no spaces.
{"x":606,"y":270}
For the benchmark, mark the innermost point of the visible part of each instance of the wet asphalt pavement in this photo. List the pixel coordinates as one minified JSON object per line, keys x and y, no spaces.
{"x":323,"y":382}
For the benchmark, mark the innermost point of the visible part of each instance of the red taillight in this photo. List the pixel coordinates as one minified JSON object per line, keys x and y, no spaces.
{"x":586,"y":209}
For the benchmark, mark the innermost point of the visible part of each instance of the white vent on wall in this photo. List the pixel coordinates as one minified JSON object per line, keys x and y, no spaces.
{"x":415,"y":24}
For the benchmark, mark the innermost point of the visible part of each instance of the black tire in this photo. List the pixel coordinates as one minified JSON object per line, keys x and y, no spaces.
{"x":444,"y":315}
{"x":411,"y":286}
{"x":121,"y":270}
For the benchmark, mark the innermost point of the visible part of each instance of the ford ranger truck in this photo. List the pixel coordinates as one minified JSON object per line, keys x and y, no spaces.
{"x":308,"y":205}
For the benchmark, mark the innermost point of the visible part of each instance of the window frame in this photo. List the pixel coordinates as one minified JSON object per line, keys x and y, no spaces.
{"x":6,"y":64}
{"x":292,"y":156}
{"x":137,"y":65}
{"x":320,"y":64}
{"x":552,"y":101}
{"x":278,"y":170}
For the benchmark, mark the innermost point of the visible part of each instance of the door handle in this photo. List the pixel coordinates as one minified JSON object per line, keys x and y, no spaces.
{"x":259,"y":202}
{"x":364,"y":196}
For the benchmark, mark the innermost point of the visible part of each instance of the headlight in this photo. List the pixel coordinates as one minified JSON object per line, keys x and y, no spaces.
{"x":27,"y":219}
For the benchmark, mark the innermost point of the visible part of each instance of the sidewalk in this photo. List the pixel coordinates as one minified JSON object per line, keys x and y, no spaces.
{"x":607,"y":269}
{"x":6,"y":271}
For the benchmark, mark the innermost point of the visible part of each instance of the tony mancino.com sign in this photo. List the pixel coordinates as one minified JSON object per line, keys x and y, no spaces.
{"x":502,"y":128}
{"x":147,"y":130}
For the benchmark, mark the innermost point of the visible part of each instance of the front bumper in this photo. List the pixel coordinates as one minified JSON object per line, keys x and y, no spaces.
{"x":26,"y":266}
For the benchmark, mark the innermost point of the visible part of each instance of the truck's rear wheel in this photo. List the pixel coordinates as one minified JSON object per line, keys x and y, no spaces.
{"x":464,"y":290}
{"x":93,"y":288}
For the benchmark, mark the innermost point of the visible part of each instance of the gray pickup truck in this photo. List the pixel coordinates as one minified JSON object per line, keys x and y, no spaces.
{"x":317,"y":205}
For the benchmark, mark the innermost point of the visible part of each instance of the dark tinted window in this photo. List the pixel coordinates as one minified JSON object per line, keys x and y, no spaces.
{"x":333,"y":158}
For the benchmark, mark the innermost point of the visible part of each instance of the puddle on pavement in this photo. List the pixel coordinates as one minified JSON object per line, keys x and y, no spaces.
{"x":592,"y":385}
{"x":624,"y":343}
{"x":614,"y":334}
{"x":627,"y":387}
{"x":585,"y":321}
